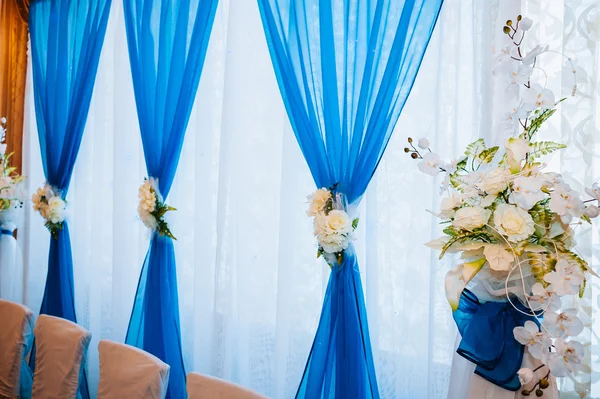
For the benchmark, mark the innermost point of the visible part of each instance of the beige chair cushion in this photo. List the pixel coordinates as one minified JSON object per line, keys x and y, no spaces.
{"x":204,"y":387}
{"x":129,"y":372}
{"x":61,"y":347}
{"x":16,"y":335}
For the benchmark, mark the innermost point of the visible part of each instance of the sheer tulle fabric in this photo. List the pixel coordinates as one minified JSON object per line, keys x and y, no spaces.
{"x":345,"y":70}
{"x":167,"y":43}
{"x":250,"y":289}
{"x":66,"y":39}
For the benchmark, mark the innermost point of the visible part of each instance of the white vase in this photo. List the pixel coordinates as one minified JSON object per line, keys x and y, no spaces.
{"x":11,"y":262}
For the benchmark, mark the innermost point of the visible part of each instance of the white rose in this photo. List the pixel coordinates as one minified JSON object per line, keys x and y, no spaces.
{"x":525,"y":376}
{"x":147,"y":218}
{"x":494,"y":181}
{"x":513,"y":222}
{"x":56,"y":210}
{"x":317,"y":201}
{"x":449,"y":204}
{"x":333,"y":243}
{"x":470,"y":218}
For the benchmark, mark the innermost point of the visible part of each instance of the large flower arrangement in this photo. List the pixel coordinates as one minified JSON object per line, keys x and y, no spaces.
{"x":512,"y":221}
{"x":152,"y":208}
{"x":333,"y":226}
{"x":10,"y":181}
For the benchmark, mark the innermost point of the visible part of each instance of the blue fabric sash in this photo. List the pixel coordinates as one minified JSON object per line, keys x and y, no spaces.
{"x":487,"y":338}
{"x":6,"y":232}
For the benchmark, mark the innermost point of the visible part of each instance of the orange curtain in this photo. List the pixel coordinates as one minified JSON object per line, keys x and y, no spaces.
{"x":13,"y":71}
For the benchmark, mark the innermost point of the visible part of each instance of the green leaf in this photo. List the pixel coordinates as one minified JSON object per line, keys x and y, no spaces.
{"x":541,"y":148}
{"x":475,"y":148}
{"x":536,"y":123}
{"x":487,"y":155}
{"x":451,"y":231}
{"x":586,"y":218}
{"x":354,"y":224}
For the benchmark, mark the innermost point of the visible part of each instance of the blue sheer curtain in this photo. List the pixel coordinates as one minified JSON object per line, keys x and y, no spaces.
{"x":345,"y":69}
{"x":66,"y":39}
{"x":167,"y":42}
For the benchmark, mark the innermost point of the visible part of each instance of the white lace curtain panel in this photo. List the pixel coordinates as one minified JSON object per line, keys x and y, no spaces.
{"x":250,"y":287}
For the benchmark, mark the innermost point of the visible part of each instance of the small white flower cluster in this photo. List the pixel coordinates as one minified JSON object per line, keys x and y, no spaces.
{"x":49,"y":203}
{"x":504,"y":212}
{"x":11,"y":194}
{"x":152,"y":208}
{"x":333,"y":227}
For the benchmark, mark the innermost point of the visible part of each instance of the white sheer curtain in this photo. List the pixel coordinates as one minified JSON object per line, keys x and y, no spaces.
{"x":250,"y":288}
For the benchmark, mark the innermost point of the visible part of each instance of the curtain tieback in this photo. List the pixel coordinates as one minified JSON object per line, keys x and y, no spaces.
{"x":5,"y":232}
{"x":487,"y":338}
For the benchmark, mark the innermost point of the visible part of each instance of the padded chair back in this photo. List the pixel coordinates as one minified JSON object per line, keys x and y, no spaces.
{"x":16,"y":338}
{"x":204,"y":387}
{"x":61,"y":347}
{"x":129,"y":372}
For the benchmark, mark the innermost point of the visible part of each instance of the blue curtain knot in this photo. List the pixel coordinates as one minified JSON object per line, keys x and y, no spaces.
{"x":487,"y":338}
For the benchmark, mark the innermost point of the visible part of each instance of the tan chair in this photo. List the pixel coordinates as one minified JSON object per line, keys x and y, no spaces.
{"x":129,"y":372}
{"x":61,"y":347}
{"x":16,"y":339}
{"x":204,"y":387}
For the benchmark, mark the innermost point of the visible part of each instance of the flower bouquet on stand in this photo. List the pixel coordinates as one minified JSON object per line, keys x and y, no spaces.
{"x":512,"y":222}
{"x":11,"y":214}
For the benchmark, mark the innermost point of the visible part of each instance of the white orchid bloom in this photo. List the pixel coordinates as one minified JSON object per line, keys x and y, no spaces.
{"x":537,"y":342}
{"x":594,"y":191}
{"x":537,"y":97}
{"x":567,"y":358}
{"x":543,"y":299}
{"x":452,"y":166}
{"x":430,"y":164}
{"x":566,"y":279}
{"x":566,"y":203}
{"x":592,"y":211}
{"x":525,"y":375}
{"x":527,"y":191}
{"x":519,"y":74}
{"x":530,"y":56}
{"x":564,"y":323}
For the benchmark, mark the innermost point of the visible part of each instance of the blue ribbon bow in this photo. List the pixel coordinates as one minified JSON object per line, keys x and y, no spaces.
{"x":487,"y":338}
{"x":6,"y":232}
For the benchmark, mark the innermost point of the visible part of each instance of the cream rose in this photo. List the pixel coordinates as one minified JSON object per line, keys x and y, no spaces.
{"x":317,"y":201}
{"x":513,"y":222}
{"x":339,"y":222}
{"x":56,"y":208}
{"x":470,"y":218}
{"x":495,"y":181}
{"x":333,"y":243}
